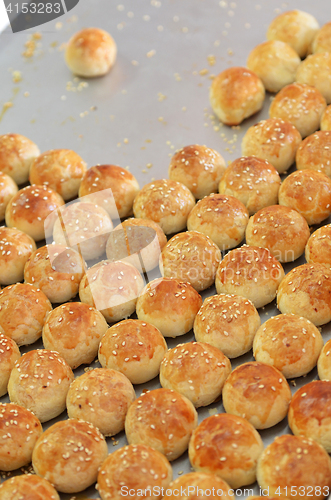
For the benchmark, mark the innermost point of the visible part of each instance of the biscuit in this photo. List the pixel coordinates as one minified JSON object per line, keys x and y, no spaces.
{"x":16,"y":155}
{"x":314,"y":153}
{"x":315,"y":70}
{"x":15,"y":247}
{"x":9,"y":354}
{"x":27,"y":484}
{"x":8,"y":189}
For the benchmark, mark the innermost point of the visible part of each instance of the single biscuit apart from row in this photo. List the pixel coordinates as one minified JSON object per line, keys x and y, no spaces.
{"x":169,"y":304}
{"x":275,"y":62}
{"x":251,"y":272}
{"x":301,"y":105}
{"x":227,"y":446}
{"x":294,"y":462}
{"x":102,"y":397}
{"x":59,"y":169}
{"x":16,"y":155}
{"x":8,"y":189}
{"x":314,"y":153}
{"x":309,"y":193}
{"x":139,"y":467}
{"x":28,"y":486}
{"x":138,"y":242}
{"x":280,"y":229}
{"x":273,"y":140}
{"x":257,"y":392}
{"x":223,"y":218}
{"x":112,"y":288}
{"x":19,"y":432}
{"x":306,"y":291}
{"x":324,"y":362}
{"x":227,"y":322}
{"x":309,"y":412}
{"x":40,"y":381}
{"x":166,"y":202}
{"x":56,"y":270}
{"x":111,"y":187}
{"x":315,"y":70}
{"x":253,"y":181}
{"x":91,"y":52}
{"x":9,"y":354}
{"x":162,"y":419}
{"x":290,"y":343}
{"x":69,"y":454}
{"x":199,"y":485}
{"x":74,"y":330}
{"x":33,"y":210}
{"x":33,"y":306}
{"x":15,"y":247}
{"x":134,"y":348}
{"x":193,"y":257}
{"x":295,"y":27}
{"x":196,"y":370}
{"x":236,"y":94}
{"x":199,"y":168}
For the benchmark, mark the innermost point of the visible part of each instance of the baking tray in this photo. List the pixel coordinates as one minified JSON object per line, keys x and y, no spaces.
{"x":154,"y":101}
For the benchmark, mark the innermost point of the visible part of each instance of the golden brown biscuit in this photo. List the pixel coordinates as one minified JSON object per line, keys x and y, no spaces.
{"x":191,"y":256}
{"x":112,"y":288}
{"x":281,"y":230}
{"x":30,"y":211}
{"x":139,"y":468}
{"x":91,"y":52}
{"x":293,"y":464}
{"x":9,"y":354}
{"x":134,"y":348}
{"x":289,"y":343}
{"x":69,"y":454}
{"x":309,"y":412}
{"x":19,"y":432}
{"x":227,"y":446}
{"x":59,"y":169}
{"x":322,"y":40}
{"x":162,"y":419}
{"x":314,"y":153}
{"x":324,"y":362}
{"x":275,"y":62}
{"x":257,"y":392}
{"x":8,"y":189}
{"x":273,"y":140}
{"x":253,"y":181}
{"x":318,"y":248}
{"x":199,"y":168}
{"x":326,"y":119}
{"x":236,"y":94}
{"x":40,"y":381}
{"x":24,"y":486}
{"x":315,"y":70}
{"x":33,"y":306}
{"x":57,"y":270}
{"x":251,"y":272}
{"x":228,"y":322}
{"x":101,"y":397}
{"x":169,"y":304}
{"x":223,"y":218}
{"x":166,"y":202}
{"x":85,"y":227}
{"x":15,"y":249}
{"x":74,"y":330}
{"x":111,"y":187}
{"x":301,"y":105}
{"x":295,"y":27}
{"x":306,"y":291}
{"x":138,"y":242}
{"x":199,"y":485}
{"x":16,"y":155}
{"x":197,"y":370}
{"x":309,"y":193}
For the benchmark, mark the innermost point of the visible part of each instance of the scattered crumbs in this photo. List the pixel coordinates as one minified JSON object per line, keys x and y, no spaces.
{"x":71,"y":87}
{"x":83,"y":114}
{"x":161,"y":119}
{"x":175,"y":19}
{"x":160,"y":28}
{"x":203,"y":72}
{"x":88,"y":369}
{"x":148,"y":140}
{"x":126,"y":140}
{"x":144,"y":171}
{"x":185,"y":29}
{"x":293,"y":383}
{"x":212,"y":411}
{"x":151,"y":53}
{"x":112,"y":117}
{"x":119,"y":144}
{"x":120,"y":26}
{"x":180,"y":472}
{"x":130,"y":14}
{"x":247,"y":26}
{"x":149,"y":165}
{"x":161,"y":97}
{"x":58,"y":26}
{"x":230,"y":52}
{"x":26,"y":94}
{"x":152,"y":179}
{"x":146,"y":17}
{"x":54,"y":44}
{"x":258,"y":7}
{"x":124,"y":91}
{"x":277,"y":10}
{"x":93,"y":108}
{"x":134,"y":63}
{"x":120,"y":7}
{"x":127,"y":167}
{"x":211,"y":60}
{"x":184,"y":108}
{"x":63,"y":97}
{"x":31,"y":45}
{"x":177,"y":77}
{"x":17,"y":76}
{"x":223,"y":4}
{"x":217,"y":43}
{"x":8,"y":105}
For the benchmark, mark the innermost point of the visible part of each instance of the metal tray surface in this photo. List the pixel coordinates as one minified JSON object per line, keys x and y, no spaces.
{"x":154,"y":101}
